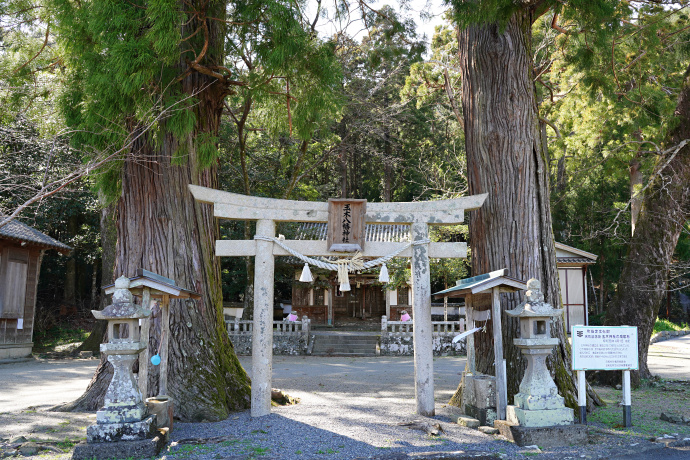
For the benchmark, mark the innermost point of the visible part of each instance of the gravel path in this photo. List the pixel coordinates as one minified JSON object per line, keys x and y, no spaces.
{"x":351,"y":408}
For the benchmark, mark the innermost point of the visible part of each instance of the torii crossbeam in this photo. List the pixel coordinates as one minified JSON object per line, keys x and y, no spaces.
{"x":268,"y":211}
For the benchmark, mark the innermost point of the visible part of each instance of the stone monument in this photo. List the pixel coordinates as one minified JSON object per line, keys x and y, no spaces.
{"x":123,"y":428}
{"x":539,"y":415}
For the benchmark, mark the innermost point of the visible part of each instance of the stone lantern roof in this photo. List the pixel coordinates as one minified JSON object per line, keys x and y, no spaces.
{"x":123,"y":305}
{"x":534,"y":306}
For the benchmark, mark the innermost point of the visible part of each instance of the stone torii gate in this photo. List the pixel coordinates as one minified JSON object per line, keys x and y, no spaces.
{"x":268,"y":211}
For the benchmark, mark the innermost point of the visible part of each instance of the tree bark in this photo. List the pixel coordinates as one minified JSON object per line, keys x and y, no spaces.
{"x":643,"y":283}
{"x":505,"y":158}
{"x":162,"y":229}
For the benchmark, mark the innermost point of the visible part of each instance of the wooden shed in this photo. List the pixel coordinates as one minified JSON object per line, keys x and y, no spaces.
{"x":572,"y":272}
{"x":21,"y":251}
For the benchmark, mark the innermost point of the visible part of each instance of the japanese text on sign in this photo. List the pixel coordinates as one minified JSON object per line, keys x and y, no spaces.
{"x":347,"y":215}
{"x":604,"y":347}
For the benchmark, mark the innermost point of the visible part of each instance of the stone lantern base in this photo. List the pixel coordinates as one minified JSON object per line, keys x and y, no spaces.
{"x":127,"y":431}
{"x":539,"y":418}
{"x":145,"y":448}
{"x":547,"y":436}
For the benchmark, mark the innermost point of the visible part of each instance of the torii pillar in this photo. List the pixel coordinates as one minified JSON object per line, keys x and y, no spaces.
{"x":268,"y":211}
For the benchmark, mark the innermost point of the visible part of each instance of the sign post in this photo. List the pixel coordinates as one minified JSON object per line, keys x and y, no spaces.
{"x":608,"y":348}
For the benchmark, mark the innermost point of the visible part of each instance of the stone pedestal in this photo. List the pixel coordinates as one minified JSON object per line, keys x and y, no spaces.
{"x":130,"y":431}
{"x":550,"y":436}
{"x":145,"y":448}
{"x":538,"y":403}
{"x":123,"y":402}
{"x":479,"y":397}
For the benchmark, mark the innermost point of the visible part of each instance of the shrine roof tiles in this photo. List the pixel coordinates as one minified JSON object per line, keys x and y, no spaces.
{"x":574,"y":260}
{"x":373,"y":232}
{"x":18,"y":231}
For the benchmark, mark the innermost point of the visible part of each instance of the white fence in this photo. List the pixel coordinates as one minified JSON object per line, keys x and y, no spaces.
{"x":439,"y":328}
{"x":245,"y":327}
{"x":289,"y":337}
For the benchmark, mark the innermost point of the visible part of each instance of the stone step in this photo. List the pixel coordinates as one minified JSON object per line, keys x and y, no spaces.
{"x":349,"y":348}
{"x":345,"y":345}
{"x":325,"y":339}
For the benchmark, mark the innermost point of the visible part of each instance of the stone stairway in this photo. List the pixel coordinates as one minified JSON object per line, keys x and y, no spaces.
{"x":345,"y":344}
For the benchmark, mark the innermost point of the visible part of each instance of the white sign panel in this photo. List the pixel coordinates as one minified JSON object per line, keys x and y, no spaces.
{"x":604,"y":347}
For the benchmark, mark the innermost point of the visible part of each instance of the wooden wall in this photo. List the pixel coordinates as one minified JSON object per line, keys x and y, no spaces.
{"x":316,"y":310}
{"x":367,"y":297}
{"x":19,"y":270}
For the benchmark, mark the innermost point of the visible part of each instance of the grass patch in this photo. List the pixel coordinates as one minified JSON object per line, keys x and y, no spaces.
{"x":665,"y":325}
{"x":67,"y":444}
{"x":647,"y":404}
{"x":58,"y":335}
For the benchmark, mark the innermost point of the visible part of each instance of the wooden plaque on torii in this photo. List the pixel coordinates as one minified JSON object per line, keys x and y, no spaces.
{"x":346,"y":224}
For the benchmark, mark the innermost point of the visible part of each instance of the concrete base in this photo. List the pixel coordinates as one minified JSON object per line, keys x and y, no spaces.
{"x":14,"y":351}
{"x":549,"y":436}
{"x":114,"y":432}
{"x":539,"y":418}
{"x":486,"y":416}
{"x":146,"y":448}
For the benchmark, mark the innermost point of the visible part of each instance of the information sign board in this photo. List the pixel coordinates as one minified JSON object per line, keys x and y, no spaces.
{"x":604,"y":348}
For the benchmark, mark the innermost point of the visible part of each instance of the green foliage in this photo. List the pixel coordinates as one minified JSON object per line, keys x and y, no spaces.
{"x":612,"y":97}
{"x":46,"y":339}
{"x":666,"y":325}
{"x":485,"y":12}
{"x":206,"y":149}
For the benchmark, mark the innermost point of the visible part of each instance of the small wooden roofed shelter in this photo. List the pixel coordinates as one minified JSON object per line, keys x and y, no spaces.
{"x":475,"y":291}
{"x":572,"y":273}
{"x":148,"y":285}
{"x":21,"y":252}
{"x":418,"y":216}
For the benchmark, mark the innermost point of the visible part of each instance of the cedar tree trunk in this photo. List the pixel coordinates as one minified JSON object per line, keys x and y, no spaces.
{"x":505,"y":158}
{"x":162,"y":229}
{"x":665,"y":209}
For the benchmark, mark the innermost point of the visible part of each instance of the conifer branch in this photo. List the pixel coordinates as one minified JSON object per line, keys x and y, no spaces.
{"x":554,"y":127}
{"x":451,"y":98}
{"x":45,"y":42}
{"x":554,"y":24}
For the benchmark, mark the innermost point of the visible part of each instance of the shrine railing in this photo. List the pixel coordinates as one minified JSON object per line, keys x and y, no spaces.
{"x":245,"y":327}
{"x":439,"y":328}
{"x":289,"y":337}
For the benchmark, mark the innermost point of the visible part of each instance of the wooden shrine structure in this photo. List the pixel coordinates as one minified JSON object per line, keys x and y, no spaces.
{"x":487,"y":288}
{"x":268,"y":211}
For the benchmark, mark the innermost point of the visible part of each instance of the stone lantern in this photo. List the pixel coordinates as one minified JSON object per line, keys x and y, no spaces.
{"x":538,"y":403}
{"x":123,"y":428}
